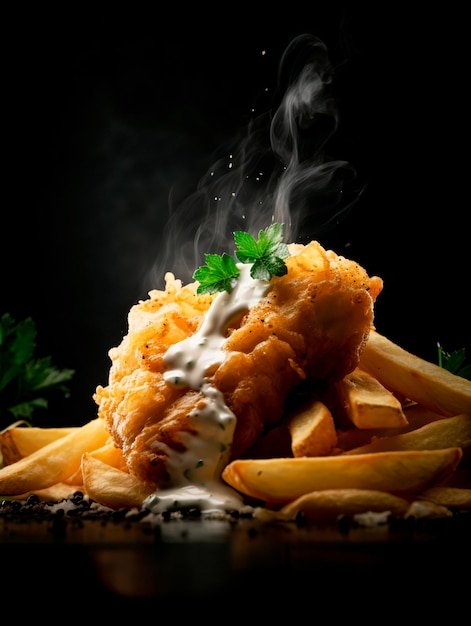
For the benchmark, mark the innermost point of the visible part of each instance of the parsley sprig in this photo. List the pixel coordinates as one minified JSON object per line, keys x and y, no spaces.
{"x":25,"y":381}
{"x":266,"y":255}
{"x":454,"y":362}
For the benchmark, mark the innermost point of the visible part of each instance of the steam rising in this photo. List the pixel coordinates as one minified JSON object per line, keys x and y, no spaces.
{"x":277,"y":171}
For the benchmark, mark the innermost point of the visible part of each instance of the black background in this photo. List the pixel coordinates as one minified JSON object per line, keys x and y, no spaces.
{"x":110,"y":117}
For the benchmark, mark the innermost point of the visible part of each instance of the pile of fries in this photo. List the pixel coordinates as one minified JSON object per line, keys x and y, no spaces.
{"x":400,"y":442}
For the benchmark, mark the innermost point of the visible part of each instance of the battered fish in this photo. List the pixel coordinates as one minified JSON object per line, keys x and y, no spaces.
{"x":311,"y":325}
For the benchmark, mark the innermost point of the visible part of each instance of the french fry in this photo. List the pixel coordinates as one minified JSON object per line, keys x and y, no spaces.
{"x":54,"y":462}
{"x":54,"y":493}
{"x":331,"y":503}
{"x":75,"y":479}
{"x":312,"y":430}
{"x":426,"y":509}
{"x":20,"y":441}
{"x":279,"y":481}
{"x":367,"y":403}
{"x":446,"y":433}
{"x":451,"y":497}
{"x":416,"y":416}
{"x":110,"y":454}
{"x":423,"y":382}
{"x":112,"y":487}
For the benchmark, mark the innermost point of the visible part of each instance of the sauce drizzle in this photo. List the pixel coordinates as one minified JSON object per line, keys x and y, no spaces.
{"x":195,"y":474}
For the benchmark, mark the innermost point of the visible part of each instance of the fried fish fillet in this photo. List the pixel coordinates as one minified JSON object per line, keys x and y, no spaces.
{"x":311,"y":325}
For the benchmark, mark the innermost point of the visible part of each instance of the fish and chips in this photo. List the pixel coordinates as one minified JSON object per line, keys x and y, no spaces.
{"x":297,"y":406}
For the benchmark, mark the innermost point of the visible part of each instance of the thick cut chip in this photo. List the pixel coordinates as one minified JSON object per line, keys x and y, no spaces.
{"x":54,"y":462}
{"x":112,"y":487}
{"x":426,"y":509}
{"x":75,"y":479}
{"x":451,"y":497}
{"x":54,"y":493}
{"x":331,"y":503}
{"x":367,"y":403}
{"x":448,"y":432}
{"x":18,"y":442}
{"x":312,"y":430}
{"x":410,"y":376}
{"x":110,"y":454}
{"x":416,"y":416}
{"x":278,"y":481}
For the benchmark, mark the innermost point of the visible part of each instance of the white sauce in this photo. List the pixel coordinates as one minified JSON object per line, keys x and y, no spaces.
{"x":195,"y":474}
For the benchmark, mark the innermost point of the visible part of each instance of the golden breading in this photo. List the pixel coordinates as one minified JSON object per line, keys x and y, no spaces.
{"x":312,"y":324}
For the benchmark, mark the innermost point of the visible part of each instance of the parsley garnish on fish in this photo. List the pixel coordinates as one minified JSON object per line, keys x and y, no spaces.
{"x":266,"y":255}
{"x":219,"y":274}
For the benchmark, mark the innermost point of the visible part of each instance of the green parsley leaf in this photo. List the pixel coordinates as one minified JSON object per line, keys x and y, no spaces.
{"x":454,"y":362}
{"x":25,"y":381}
{"x":265,"y":255}
{"x":219,"y":274}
